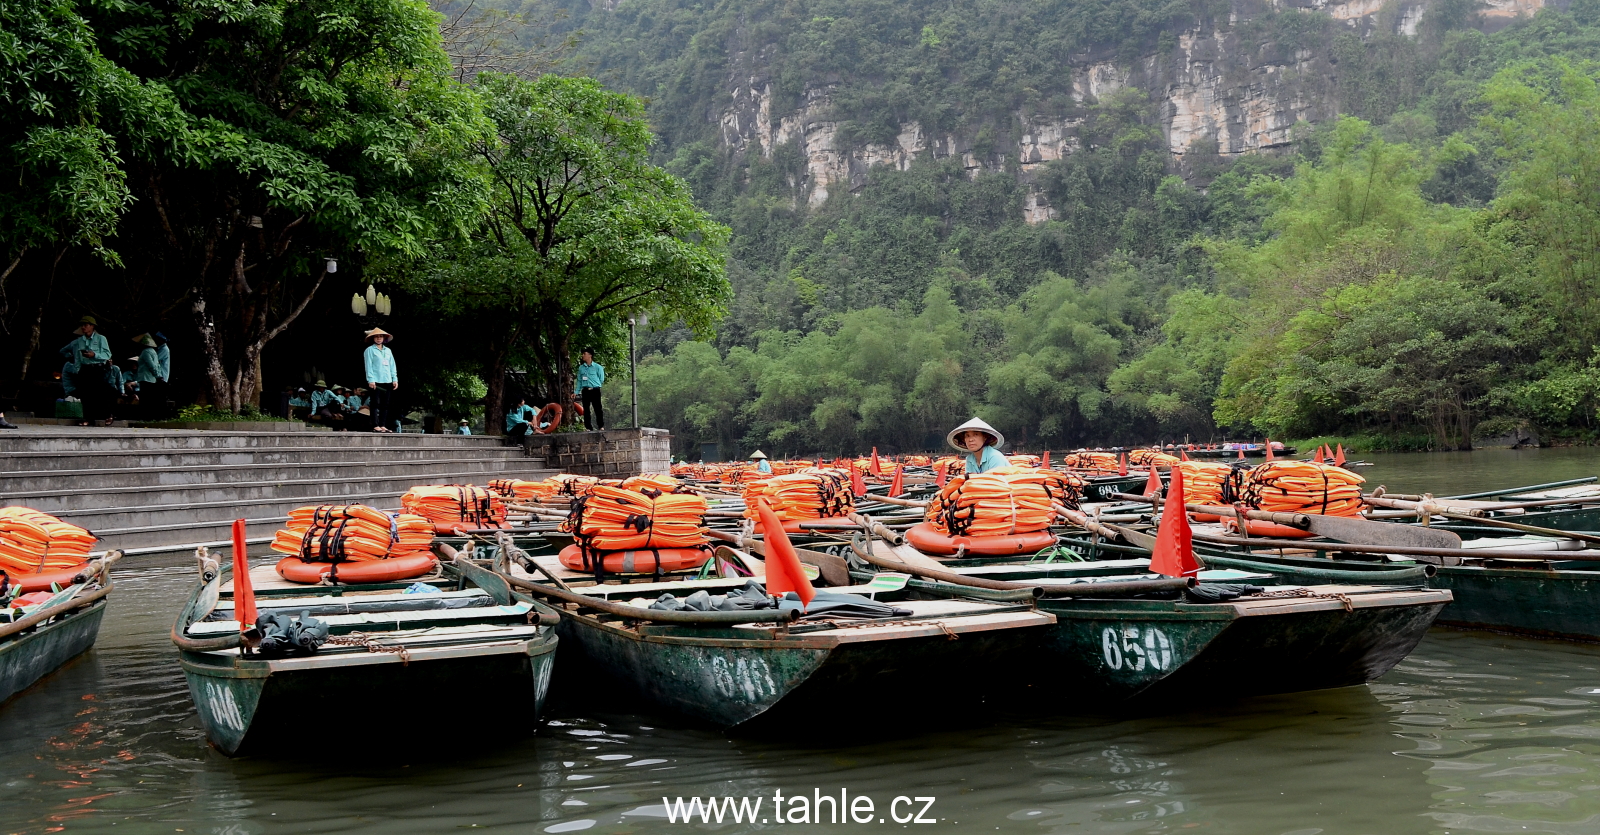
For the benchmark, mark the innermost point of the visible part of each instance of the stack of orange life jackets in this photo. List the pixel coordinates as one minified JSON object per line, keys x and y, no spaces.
{"x":1003,"y":501}
{"x":1152,"y":458}
{"x":34,"y":542}
{"x":351,"y":533}
{"x":1301,"y":487}
{"x":1097,"y":461}
{"x":1203,"y":481}
{"x":803,"y":496}
{"x":455,"y":506}
{"x":617,"y":519}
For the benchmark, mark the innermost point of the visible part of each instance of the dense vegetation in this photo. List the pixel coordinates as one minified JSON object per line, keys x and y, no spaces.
{"x":1417,"y":271}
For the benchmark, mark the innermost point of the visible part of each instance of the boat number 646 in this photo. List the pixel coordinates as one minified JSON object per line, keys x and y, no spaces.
{"x":1125,"y":646}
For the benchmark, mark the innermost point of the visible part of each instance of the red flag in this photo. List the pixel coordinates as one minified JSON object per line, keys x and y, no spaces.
{"x":877,"y":469}
{"x":1152,"y":485}
{"x":1241,"y":453}
{"x":1269,"y":449}
{"x":783,"y":565}
{"x":1316,"y":456}
{"x":244,"y":597}
{"x":1184,"y":454}
{"x":1046,"y":462}
{"x":940,"y":473}
{"x":897,"y":486}
{"x":1338,"y":457}
{"x":1174,"y":551}
{"x":1122,"y":464}
{"x":858,"y":485}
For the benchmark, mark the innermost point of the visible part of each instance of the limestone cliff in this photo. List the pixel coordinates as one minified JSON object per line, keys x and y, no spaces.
{"x":1215,"y":87}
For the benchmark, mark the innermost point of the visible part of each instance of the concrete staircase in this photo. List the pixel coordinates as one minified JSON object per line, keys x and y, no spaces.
{"x":155,"y":490}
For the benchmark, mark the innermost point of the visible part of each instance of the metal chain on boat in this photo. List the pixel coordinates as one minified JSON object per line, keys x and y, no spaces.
{"x":948,"y":633}
{"x":1344,"y":599}
{"x":361,"y":639}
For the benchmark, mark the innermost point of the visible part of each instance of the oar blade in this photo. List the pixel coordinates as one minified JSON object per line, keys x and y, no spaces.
{"x":1367,"y":532}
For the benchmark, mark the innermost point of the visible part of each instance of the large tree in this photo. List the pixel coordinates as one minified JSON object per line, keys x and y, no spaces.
{"x":582,"y":232}
{"x":302,"y":131}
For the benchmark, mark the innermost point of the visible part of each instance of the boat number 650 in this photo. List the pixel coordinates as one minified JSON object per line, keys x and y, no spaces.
{"x":1125,"y":647}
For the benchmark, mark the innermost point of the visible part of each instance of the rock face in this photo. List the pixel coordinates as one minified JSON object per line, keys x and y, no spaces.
{"x":1211,"y":89}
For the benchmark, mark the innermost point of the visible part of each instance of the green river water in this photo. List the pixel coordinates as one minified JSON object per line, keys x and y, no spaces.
{"x":1473,"y":733}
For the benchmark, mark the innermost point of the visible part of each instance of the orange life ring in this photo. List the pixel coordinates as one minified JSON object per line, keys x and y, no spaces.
{"x":793,"y":525}
{"x":296,"y":570}
{"x":41,"y":581}
{"x":552,"y":409}
{"x":926,"y":539}
{"x":659,"y":561}
{"x":1256,"y":527}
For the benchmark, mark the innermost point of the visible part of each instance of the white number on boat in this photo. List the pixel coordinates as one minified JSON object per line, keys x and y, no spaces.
{"x":223,"y":708}
{"x":743,"y":677}
{"x":1127,"y":647}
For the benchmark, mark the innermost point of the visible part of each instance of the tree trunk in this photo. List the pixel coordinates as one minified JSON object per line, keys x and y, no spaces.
{"x":35,"y":333}
{"x":218,"y":388}
{"x":494,"y":404}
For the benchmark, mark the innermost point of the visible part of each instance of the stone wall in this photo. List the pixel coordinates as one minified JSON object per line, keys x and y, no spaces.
{"x":614,"y":453}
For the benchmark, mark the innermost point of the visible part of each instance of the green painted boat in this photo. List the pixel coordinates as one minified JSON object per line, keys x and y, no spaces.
{"x":392,"y":657}
{"x":755,"y":670}
{"x":40,"y":641}
{"x":1314,"y":633}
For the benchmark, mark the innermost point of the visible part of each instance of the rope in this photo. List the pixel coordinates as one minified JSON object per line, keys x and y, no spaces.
{"x":1284,"y":594}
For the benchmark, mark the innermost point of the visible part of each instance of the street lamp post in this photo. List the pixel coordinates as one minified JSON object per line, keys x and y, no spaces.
{"x":633,"y":376}
{"x":372,"y":308}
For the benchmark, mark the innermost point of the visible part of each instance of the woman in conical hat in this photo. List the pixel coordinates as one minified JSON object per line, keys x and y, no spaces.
{"x":981,"y":443}
{"x":760,"y":458}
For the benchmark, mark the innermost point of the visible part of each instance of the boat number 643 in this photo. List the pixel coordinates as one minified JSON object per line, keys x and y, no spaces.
{"x":1125,"y":646}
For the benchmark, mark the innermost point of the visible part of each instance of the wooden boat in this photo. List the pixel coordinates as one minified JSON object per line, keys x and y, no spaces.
{"x":42,"y":640}
{"x":758,"y":669}
{"x":1290,"y":638}
{"x":392,"y":657}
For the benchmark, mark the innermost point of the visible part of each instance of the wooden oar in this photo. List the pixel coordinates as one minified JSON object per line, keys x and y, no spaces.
{"x":1451,"y":553}
{"x":1358,"y":531}
{"x":1430,"y":509}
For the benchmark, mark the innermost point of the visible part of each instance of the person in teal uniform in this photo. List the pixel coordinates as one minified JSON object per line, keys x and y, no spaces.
{"x":981,"y":442}
{"x":519,"y":420}
{"x":759,"y":458}
{"x":463,"y":428}
{"x":383,"y":378}
{"x":591,"y":376}
{"x":152,"y":389}
{"x":89,"y":357}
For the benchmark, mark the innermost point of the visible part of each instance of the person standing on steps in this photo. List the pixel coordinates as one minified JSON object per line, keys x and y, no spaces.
{"x":152,"y":391}
{"x":591,"y":376}
{"x":89,"y":357}
{"x":383,"y":378}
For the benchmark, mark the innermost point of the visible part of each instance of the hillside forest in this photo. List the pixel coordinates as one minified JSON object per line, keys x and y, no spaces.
{"x":1415,"y":271}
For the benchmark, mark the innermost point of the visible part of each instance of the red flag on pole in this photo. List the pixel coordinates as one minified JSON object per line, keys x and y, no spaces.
{"x":783,"y":565}
{"x":1241,"y":453}
{"x":1338,"y":456}
{"x":1152,"y":485}
{"x":1122,"y":464}
{"x":1184,"y":453}
{"x":244,"y":596}
{"x":940,"y":473}
{"x":1316,"y":456}
{"x":877,"y":469}
{"x":1046,"y":462}
{"x":897,"y":486}
{"x":1268,"y":445}
{"x":858,"y":485}
{"x":1174,"y":551}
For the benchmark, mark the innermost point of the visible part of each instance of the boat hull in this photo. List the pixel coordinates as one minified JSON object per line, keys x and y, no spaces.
{"x":255,"y":706}
{"x":750,"y":685}
{"x":1552,"y":603}
{"x":30,"y":657}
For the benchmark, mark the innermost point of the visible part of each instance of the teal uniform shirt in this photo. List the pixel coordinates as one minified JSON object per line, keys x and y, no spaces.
{"x":591,"y":375}
{"x":88,"y":342}
{"x":523,"y":414}
{"x":987,"y":459}
{"x":379,"y":362}
{"x":164,"y":357}
{"x":763,"y":466}
{"x":149,"y":366}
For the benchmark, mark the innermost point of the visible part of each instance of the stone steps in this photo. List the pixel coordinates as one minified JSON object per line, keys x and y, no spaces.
{"x":148,"y":490}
